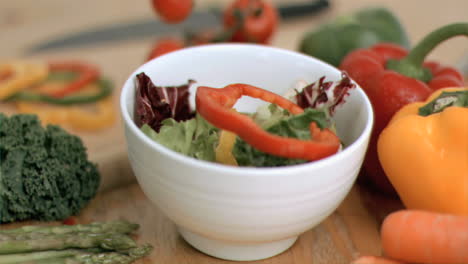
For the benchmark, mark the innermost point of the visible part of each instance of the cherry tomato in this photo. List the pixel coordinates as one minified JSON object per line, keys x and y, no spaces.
{"x":251,"y":20}
{"x":164,"y":46}
{"x":172,"y":11}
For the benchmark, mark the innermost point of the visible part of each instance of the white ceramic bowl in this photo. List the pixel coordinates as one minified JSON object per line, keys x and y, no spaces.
{"x":241,"y":213}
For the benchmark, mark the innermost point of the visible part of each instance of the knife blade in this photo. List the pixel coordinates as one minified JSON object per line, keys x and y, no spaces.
{"x":148,"y":28}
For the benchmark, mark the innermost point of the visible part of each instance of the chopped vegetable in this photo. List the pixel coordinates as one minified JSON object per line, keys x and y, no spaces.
{"x":431,"y":139}
{"x":19,"y":75}
{"x":31,"y":95}
{"x":87,"y":74}
{"x":331,"y":42}
{"x":234,"y":138}
{"x":195,"y":137}
{"x":223,"y":151}
{"x":163,"y":46}
{"x":172,"y":11}
{"x":294,"y":126}
{"x":250,"y":20}
{"x":95,"y":243}
{"x":423,"y":237}
{"x":45,"y":173}
{"x":215,"y":104}
{"x":100,"y":115}
{"x":153,"y":104}
{"x":392,"y":78}
{"x":325,"y":95}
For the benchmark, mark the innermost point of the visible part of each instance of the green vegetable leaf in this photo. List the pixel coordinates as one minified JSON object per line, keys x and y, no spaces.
{"x":296,"y":126}
{"x":194,"y":137}
{"x":269,"y":114}
{"x":45,"y":173}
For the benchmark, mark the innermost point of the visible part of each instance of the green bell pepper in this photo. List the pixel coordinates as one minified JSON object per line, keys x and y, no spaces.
{"x":366,"y":27}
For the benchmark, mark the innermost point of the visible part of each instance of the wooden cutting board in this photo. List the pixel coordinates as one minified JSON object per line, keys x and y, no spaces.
{"x":349,"y":232}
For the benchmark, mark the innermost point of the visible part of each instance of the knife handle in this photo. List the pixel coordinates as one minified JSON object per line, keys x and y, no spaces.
{"x":296,"y":10}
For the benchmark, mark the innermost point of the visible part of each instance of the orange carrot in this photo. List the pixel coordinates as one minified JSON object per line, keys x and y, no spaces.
{"x":425,"y":237}
{"x":375,"y":260}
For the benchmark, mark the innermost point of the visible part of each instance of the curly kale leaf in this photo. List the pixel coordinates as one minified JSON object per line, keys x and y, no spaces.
{"x":44,"y":172}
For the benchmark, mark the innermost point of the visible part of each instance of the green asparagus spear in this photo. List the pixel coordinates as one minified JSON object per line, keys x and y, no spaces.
{"x":37,"y":256}
{"x":73,"y":256}
{"x":105,"y":227}
{"x":19,"y":243}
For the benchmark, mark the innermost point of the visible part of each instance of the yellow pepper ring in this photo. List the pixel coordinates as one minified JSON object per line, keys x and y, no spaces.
{"x":101,"y":115}
{"x":104,"y":116}
{"x":73,"y":117}
{"x":18,"y":75}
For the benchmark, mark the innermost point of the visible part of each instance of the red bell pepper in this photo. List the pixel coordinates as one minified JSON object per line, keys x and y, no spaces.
{"x":393,"y":77}
{"x":215,"y":105}
{"x":87,"y":74}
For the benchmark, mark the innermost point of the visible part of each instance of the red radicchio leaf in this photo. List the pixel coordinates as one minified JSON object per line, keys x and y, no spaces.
{"x":154,"y":103}
{"x":317,"y":94}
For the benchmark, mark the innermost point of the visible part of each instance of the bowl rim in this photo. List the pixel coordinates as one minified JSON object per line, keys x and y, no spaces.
{"x":128,"y":86}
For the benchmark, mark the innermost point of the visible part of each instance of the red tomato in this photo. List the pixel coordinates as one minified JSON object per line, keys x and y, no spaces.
{"x":164,"y":46}
{"x":173,"y":11}
{"x":251,"y":20}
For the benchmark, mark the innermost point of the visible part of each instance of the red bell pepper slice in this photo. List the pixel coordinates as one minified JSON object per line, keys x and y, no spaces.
{"x":215,"y":105}
{"x":87,"y":74}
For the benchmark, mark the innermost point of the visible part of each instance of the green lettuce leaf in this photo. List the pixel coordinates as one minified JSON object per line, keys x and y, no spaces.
{"x":294,"y":126}
{"x":194,"y":137}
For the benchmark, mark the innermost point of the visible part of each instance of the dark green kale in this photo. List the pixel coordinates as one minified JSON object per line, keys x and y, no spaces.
{"x":45,"y":173}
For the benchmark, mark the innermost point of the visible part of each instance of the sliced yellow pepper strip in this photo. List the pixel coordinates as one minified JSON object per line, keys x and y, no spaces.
{"x":20,"y":75}
{"x":223,"y":151}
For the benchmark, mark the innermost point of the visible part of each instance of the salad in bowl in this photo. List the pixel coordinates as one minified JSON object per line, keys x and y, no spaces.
{"x":244,"y":147}
{"x":291,"y":129}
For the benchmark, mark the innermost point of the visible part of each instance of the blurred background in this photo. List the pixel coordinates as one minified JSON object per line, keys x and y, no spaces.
{"x":24,"y":23}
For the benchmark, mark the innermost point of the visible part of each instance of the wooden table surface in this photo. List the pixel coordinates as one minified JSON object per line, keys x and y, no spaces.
{"x":27,"y":22}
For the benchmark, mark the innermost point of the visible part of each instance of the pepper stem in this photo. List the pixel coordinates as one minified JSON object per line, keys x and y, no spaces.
{"x":411,"y":65}
{"x":444,"y":100}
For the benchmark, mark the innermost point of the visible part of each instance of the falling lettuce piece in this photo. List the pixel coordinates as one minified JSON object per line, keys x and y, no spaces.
{"x":153,"y":104}
{"x":195,"y":137}
{"x":325,"y":94}
{"x":293,"y":126}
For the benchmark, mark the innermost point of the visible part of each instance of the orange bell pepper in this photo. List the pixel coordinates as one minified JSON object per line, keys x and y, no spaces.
{"x":424,"y":152}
